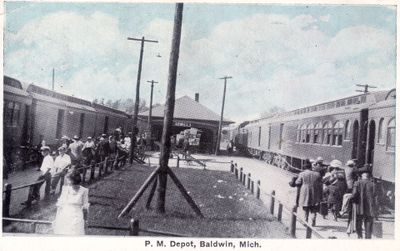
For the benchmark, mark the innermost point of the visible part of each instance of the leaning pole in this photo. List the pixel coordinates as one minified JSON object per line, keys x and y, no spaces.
{"x":169,"y":110}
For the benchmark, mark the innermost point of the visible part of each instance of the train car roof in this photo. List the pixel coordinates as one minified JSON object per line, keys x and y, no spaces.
{"x":43,"y":94}
{"x":340,"y":106}
{"x":11,"y":85}
{"x":109,"y":109}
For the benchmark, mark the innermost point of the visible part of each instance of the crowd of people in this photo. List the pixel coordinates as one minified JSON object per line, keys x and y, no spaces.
{"x":71,"y":154}
{"x":342,"y":190}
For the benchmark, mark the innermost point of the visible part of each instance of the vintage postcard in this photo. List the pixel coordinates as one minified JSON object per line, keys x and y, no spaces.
{"x":198,"y":126}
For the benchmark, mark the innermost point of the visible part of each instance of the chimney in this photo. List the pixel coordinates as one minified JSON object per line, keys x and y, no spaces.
{"x":196,"y":97}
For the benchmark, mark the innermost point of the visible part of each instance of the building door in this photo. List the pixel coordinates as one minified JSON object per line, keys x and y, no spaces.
{"x":371,"y":142}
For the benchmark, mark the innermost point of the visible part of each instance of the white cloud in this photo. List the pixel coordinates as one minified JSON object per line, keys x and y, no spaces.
{"x":274,"y":60}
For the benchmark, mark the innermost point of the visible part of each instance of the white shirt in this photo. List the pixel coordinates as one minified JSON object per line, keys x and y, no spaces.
{"x":47,"y":164}
{"x":76,"y":148}
{"x":88,"y":144}
{"x":61,"y":163}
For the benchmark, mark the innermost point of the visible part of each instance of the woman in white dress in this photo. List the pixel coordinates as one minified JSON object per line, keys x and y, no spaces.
{"x":72,"y":207}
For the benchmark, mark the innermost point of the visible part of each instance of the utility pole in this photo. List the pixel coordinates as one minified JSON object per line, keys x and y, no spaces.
{"x":52,"y":81}
{"x":169,"y":109}
{"x":150,"y":112}
{"x":222,"y":116}
{"x":136,"y":110}
{"x":365,"y":91}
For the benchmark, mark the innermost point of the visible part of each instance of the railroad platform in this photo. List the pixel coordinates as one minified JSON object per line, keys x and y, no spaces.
{"x":273,"y":178}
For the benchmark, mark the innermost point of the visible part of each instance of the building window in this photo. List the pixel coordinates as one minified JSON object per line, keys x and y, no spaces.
{"x":380,"y":131}
{"x":12,"y":113}
{"x":317,"y":133}
{"x":259,"y":135}
{"x":347,"y":130}
{"x":327,"y":133}
{"x":337,"y":134}
{"x":391,"y":135}
{"x":309,"y":133}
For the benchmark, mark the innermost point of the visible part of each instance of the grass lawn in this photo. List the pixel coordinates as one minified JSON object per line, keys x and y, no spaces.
{"x":230,"y":210}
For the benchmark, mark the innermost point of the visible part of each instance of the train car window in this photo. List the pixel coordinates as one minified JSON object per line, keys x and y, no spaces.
{"x":298,"y":133}
{"x":380,"y":131}
{"x":391,"y":135}
{"x":347,"y":130}
{"x":363,"y":99}
{"x":303,"y":133}
{"x":309,"y":133}
{"x":317,"y":133}
{"x":327,"y":133}
{"x":60,"y":123}
{"x":259,"y":135}
{"x":337,"y":138}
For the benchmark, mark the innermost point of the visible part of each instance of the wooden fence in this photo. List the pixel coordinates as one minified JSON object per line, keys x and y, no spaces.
{"x":133,"y":228}
{"x":292,"y":212}
{"x":102,"y":168}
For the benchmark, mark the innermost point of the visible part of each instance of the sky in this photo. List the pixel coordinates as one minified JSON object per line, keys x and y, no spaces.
{"x":289,"y":56}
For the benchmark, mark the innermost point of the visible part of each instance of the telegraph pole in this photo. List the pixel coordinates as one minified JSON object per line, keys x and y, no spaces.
{"x":366,"y":87}
{"x":136,"y":110}
{"x":222,"y":116}
{"x":169,"y":110}
{"x":150,"y":111}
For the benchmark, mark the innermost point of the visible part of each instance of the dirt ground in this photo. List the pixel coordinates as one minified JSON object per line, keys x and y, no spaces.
{"x":229,"y":209}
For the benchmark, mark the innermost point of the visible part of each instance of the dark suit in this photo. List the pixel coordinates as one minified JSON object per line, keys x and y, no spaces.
{"x":364,"y":195}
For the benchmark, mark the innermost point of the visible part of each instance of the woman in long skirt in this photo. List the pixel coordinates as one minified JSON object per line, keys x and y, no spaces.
{"x":72,"y":207}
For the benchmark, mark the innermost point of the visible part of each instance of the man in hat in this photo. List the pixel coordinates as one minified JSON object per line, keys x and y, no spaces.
{"x":365,"y":197}
{"x":76,"y":150}
{"x":61,"y":164}
{"x":89,"y":144}
{"x":310,"y":191}
{"x":45,"y":168}
{"x":103,"y":149}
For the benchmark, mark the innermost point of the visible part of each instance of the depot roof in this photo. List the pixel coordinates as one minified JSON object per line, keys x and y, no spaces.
{"x":187,"y":108}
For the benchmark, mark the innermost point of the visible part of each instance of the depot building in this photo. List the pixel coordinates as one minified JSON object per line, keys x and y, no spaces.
{"x":189,"y":116}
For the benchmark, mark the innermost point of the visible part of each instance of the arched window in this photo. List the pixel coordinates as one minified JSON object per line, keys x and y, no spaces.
{"x":391,"y":135}
{"x":337,"y":138}
{"x":309,"y":133}
{"x":317,"y":133}
{"x":380,"y":131}
{"x":327,"y":133}
{"x":347,"y":130}
{"x":298,"y":136}
{"x":303,"y":133}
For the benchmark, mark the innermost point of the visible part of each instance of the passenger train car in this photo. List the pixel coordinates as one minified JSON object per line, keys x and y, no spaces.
{"x":33,"y":113}
{"x":360,"y":127}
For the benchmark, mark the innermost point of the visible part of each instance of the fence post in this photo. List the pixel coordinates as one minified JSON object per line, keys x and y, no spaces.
{"x":33,"y":227}
{"x":47,"y":187}
{"x":308,"y":232}
{"x":244,"y":179}
{"x":280,"y":207}
{"x":134,"y":227}
{"x":293,"y":220}
{"x":272,"y":208}
{"x":252,"y":187}
{"x":100,"y":169}
{"x":236,"y":172}
{"x":92,"y":167}
{"x":177,"y":161}
{"x":258,"y":189}
{"x":248,"y":181}
{"x":241,"y":174}
{"x":7,"y":200}
{"x":232,"y":167}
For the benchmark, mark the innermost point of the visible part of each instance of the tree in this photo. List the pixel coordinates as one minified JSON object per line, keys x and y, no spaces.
{"x":272,"y":111}
{"x":95,"y":101}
